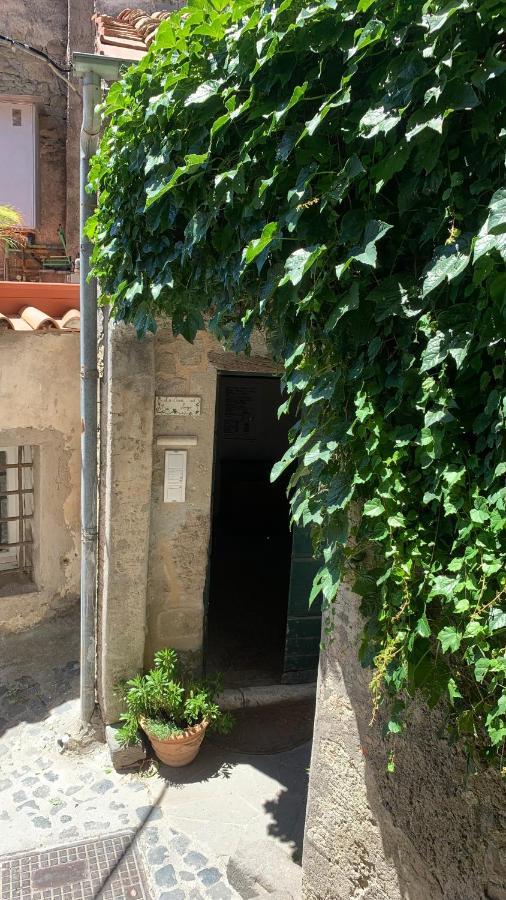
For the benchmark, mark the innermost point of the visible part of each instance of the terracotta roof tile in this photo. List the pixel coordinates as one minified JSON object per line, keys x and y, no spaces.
{"x":34,"y":306}
{"x":129,"y":34}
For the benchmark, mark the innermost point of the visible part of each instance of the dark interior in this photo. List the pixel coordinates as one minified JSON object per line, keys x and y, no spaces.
{"x":251,"y":540}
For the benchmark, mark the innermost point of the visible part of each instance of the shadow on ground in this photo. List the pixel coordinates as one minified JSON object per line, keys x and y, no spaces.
{"x":39,"y":669}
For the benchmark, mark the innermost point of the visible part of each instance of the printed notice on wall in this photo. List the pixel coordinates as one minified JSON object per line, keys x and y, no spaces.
{"x":174,"y":488}
{"x":241,"y":413}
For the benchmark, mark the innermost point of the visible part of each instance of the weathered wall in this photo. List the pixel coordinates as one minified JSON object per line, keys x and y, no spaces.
{"x":127,"y":400}
{"x":44,"y":28}
{"x":179,"y":532}
{"x":39,"y":405}
{"x":426,"y":832}
{"x":154,"y":555}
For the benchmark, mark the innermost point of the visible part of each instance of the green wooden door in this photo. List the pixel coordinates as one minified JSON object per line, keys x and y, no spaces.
{"x":302,"y":647}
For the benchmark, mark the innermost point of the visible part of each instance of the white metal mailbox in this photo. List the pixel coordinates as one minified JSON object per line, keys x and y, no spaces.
{"x":174,"y":488}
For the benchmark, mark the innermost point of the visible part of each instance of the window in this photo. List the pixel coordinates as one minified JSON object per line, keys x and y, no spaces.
{"x":19,"y":157}
{"x":16,"y":514}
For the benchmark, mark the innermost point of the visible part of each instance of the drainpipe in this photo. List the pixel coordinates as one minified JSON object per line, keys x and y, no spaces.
{"x":92,"y":69}
{"x":89,"y":378}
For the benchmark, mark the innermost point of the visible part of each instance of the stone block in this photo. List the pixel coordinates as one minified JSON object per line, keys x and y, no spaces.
{"x":123,"y":757}
{"x":260,"y":868}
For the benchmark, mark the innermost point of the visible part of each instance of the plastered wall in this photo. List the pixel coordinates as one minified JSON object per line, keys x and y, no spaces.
{"x":427,"y":832}
{"x":39,"y":406}
{"x":179,"y":532}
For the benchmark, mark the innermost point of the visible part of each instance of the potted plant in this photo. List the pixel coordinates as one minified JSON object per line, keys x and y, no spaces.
{"x":174,"y":712}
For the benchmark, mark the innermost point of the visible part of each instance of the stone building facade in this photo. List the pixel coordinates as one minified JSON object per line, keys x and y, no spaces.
{"x":39,"y":452}
{"x":431,"y":831}
{"x":155,"y":554}
{"x":57,"y":28}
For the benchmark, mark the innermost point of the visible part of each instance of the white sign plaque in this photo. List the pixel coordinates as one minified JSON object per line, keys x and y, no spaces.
{"x":174,"y":487}
{"x":177,"y":406}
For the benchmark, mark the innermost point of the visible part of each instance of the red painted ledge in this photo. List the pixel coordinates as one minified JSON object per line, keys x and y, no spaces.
{"x":53,"y":299}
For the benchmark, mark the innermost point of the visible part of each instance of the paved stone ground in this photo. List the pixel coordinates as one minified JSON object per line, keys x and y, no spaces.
{"x":187,"y":822}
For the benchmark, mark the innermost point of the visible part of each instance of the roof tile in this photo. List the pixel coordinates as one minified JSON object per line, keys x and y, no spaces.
{"x":129,"y":34}
{"x":34,"y":306}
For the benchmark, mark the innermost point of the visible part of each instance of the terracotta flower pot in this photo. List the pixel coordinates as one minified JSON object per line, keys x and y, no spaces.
{"x":180,"y":749}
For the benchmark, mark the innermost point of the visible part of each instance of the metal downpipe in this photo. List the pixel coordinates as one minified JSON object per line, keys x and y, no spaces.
{"x":89,"y":386}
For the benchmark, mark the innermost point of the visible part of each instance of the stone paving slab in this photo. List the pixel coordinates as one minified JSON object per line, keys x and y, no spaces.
{"x":52,"y":800}
{"x":189,"y":822}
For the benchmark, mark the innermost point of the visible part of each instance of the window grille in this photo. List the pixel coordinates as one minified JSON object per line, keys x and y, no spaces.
{"x":16,"y":510}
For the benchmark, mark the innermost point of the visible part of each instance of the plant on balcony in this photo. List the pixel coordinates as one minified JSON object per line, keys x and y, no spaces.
{"x":10,"y":223}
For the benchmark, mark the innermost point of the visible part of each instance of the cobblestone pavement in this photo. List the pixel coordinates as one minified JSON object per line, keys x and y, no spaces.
{"x":50,"y":799}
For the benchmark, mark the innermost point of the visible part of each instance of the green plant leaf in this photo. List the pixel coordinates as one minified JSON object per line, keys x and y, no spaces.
{"x":450,"y":639}
{"x":301,"y":261}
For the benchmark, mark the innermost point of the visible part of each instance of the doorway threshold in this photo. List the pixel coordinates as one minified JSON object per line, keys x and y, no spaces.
{"x":265,"y":695}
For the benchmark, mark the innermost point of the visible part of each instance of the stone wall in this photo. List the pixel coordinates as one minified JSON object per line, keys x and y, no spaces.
{"x":39,"y":406}
{"x":45,"y":28}
{"x":426,"y":832}
{"x":154,"y":555}
{"x":179,"y":532}
{"x":126,"y":431}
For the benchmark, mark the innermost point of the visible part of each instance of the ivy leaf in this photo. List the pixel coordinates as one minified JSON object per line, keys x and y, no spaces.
{"x":435,"y":123}
{"x":297,"y":94}
{"x":257,"y":245}
{"x":443,"y":587}
{"x":448,"y":263}
{"x":394,"y":727}
{"x":351,"y":170}
{"x":378,"y":121}
{"x":435,"y":353}
{"x":369,"y":34}
{"x":453,"y":691}
{"x":392,"y":163}
{"x":422,"y":627}
{"x":453,"y":476}
{"x":450,"y":639}
{"x":496,"y":222}
{"x":434,"y":22}
{"x":496,"y":619}
{"x":367,"y":253}
{"x":397,"y":521}
{"x":481,"y":668}
{"x":373,"y":508}
{"x":299,"y":262}
{"x":345,"y":304}
{"x":479,"y":516}
{"x":204,"y":92}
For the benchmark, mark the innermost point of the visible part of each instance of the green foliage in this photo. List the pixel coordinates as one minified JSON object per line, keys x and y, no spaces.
{"x":332,"y":172}
{"x":10,"y":222}
{"x":169,"y":703}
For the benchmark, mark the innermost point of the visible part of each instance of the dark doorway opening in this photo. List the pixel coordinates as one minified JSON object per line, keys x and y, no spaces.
{"x":251,"y":540}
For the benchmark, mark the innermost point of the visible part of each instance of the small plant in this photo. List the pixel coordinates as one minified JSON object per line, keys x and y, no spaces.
{"x":10,"y":223}
{"x":166,"y":703}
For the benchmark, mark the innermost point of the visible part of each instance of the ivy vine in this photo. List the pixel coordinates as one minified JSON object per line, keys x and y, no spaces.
{"x":332,"y":172}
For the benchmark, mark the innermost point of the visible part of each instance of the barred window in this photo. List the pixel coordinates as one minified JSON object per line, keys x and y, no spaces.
{"x":16,"y":512}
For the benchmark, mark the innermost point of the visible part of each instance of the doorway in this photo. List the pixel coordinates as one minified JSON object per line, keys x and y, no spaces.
{"x":251,"y":545}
